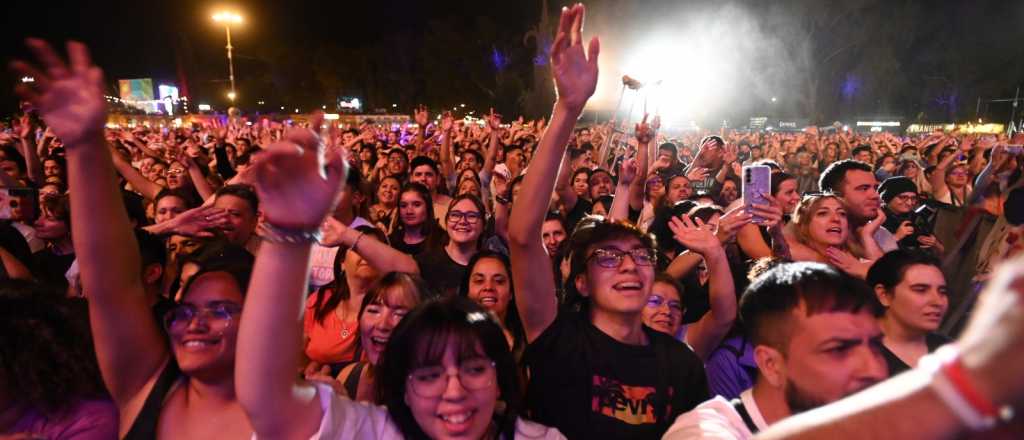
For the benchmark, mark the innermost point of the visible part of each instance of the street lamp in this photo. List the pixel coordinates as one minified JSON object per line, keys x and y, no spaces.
{"x":229,"y":18}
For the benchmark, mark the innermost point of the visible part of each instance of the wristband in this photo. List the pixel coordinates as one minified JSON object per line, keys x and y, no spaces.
{"x":355,"y":244}
{"x":275,"y":234}
{"x":951,"y":383}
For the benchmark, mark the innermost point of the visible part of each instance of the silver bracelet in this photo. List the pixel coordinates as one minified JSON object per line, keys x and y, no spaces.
{"x":275,"y":234}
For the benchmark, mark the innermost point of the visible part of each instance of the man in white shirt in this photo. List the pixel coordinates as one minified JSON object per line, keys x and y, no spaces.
{"x":815,"y":341}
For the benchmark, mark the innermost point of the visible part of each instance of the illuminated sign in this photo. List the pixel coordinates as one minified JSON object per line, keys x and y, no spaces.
{"x":352,"y":104}
{"x":878,"y":123}
{"x":169,"y":95}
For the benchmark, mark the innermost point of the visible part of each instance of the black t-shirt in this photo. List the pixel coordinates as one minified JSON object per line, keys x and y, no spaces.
{"x":577,"y":213}
{"x":588,"y":385}
{"x":442,"y":274}
{"x":400,"y":245}
{"x":897,"y":366}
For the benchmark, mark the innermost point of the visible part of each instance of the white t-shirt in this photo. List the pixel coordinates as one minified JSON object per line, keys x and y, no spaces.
{"x":716,"y":419}
{"x":322,"y":265}
{"x":345,"y":419}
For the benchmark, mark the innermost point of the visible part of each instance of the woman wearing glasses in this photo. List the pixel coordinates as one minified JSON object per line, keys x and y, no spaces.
{"x":445,"y":366}
{"x":444,"y":267}
{"x":164,"y":385}
{"x":951,"y":181}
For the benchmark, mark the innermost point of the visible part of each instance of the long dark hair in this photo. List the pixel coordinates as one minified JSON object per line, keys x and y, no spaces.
{"x":430,"y":229}
{"x":328,"y":297}
{"x":512,"y":323}
{"x":422,"y":339}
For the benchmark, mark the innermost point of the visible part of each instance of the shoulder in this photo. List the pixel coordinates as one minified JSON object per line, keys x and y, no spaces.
{"x":344,"y":418}
{"x":713,"y":419}
{"x":562,"y":333}
{"x":526,"y":429}
{"x":677,"y":350}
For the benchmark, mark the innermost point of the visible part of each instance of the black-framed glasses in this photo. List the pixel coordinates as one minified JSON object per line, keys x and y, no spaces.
{"x":908,"y":198}
{"x":612,"y":258}
{"x":474,"y":374}
{"x":471,"y":217}
{"x":655,"y":301}
{"x":218,"y":316}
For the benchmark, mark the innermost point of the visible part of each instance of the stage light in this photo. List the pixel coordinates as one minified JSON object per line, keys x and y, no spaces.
{"x":204,"y":107}
{"x":232,"y":95}
{"x":27,"y":79}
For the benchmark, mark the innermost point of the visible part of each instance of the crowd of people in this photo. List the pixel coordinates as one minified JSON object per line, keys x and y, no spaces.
{"x":504,"y":279}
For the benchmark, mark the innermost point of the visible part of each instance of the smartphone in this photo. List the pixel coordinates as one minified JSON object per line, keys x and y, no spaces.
{"x":757,"y":182}
{"x":19,"y":204}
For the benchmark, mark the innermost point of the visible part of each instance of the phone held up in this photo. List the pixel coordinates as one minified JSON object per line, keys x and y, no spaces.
{"x":757,"y":182}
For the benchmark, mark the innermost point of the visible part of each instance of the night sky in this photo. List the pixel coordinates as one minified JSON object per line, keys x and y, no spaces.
{"x":942,"y":56}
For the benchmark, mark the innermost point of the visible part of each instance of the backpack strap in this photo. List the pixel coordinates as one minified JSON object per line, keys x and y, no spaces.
{"x":737,"y":404}
{"x":352,"y":381}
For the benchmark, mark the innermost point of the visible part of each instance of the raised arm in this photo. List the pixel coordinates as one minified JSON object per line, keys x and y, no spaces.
{"x":494,"y":126}
{"x":447,"y":164}
{"x":382,"y":257}
{"x":26,"y":134}
{"x":563,"y":184}
{"x":938,"y":178}
{"x":296,"y":192}
{"x":704,"y":335}
{"x":129,"y":344}
{"x":620,"y":203}
{"x":144,"y":186}
{"x":575,"y":80}
{"x":644,"y":135}
{"x":196,"y":175}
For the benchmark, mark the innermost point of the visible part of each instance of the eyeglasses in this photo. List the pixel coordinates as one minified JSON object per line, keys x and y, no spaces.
{"x":474,"y":374}
{"x":612,"y":258}
{"x":217,"y":317}
{"x":458,"y":216}
{"x":907,"y":198}
{"x":175,"y":172}
{"x":655,"y":301}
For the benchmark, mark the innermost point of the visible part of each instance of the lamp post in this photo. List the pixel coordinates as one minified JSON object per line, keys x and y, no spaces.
{"x":229,"y":18}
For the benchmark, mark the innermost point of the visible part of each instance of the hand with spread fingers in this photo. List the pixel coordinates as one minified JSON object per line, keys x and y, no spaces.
{"x":695,"y":235}
{"x":574,"y":70}
{"x":69,"y":96}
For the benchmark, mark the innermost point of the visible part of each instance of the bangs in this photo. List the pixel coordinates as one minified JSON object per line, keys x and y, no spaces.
{"x":432,"y":343}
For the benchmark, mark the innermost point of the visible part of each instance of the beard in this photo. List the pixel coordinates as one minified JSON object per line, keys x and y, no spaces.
{"x":800,"y":400}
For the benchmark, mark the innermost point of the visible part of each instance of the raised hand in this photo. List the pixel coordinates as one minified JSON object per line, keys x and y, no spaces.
{"x":574,"y":70}
{"x":695,"y":235}
{"x":22,"y":126}
{"x":643,"y":132}
{"x":656,"y":123}
{"x":627,"y":172}
{"x":697,"y":174}
{"x":297,"y":187}
{"x":197,"y":222}
{"x":69,"y":98}
{"x":730,"y":223}
{"x":493,"y":121}
{"x":447,"y":121}
{"x":421,"y":116}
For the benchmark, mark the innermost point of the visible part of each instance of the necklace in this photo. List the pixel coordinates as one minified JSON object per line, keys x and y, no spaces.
{"x":345,"y":332}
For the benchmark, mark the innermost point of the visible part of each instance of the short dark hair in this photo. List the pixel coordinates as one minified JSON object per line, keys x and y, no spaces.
{"x":832,"y":178}
{"x":890,"y":268}
{"x":419,"y":161}
{"x":242,"y":191}
{"x":860,"y":149}
{"x":151,"y":248}
{"x":476,"y":155}
{"x":590,"y":231}
{"x":768,"y":302}
{"x":668,"y":146}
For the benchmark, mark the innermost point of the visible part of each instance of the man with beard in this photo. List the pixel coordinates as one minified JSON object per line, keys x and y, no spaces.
{"x":855,"y":182}
{"x":815,"y":341}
